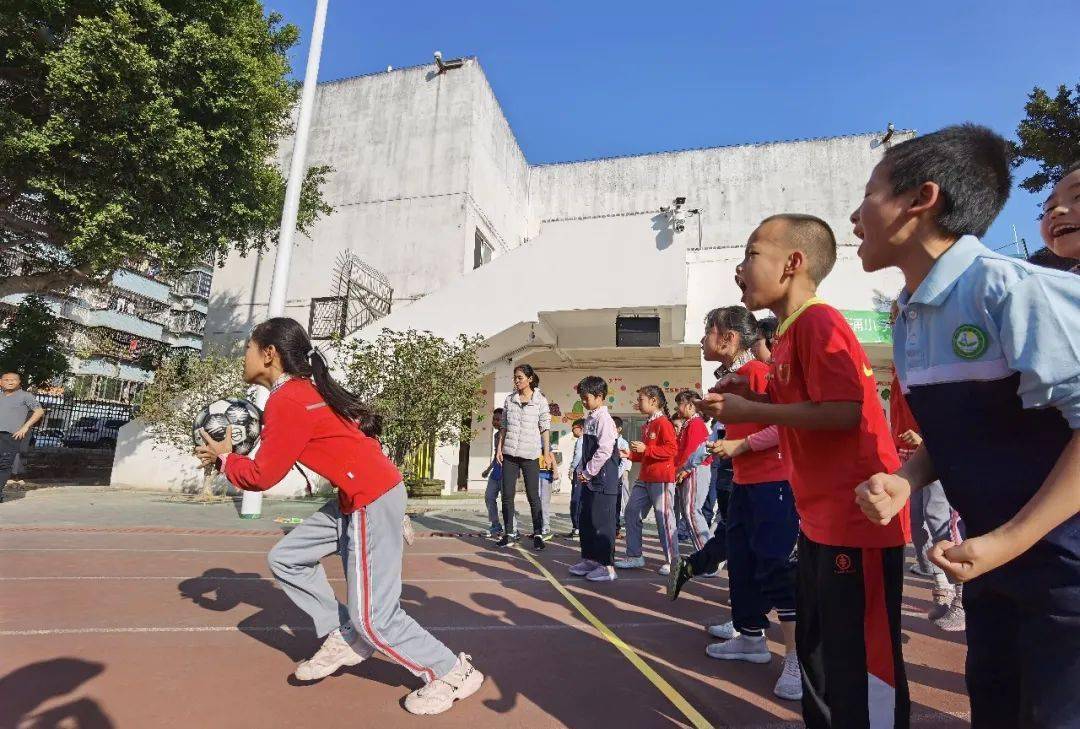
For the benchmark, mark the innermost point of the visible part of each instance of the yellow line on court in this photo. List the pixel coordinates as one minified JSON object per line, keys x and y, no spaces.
{"x":680,"y":703}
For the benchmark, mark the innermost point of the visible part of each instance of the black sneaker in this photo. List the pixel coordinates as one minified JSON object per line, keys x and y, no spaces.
{"x":538,"y":542}
{"x":506,"y":539}
{"x":573,"y":534}
{"x":678,"y":577}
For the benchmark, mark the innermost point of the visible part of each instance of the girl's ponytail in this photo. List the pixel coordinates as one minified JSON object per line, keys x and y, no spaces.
{"x":300,"y":359}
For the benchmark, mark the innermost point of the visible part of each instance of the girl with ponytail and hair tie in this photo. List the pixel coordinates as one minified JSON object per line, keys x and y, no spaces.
{"x":655,"y":486}
{"x":312,"y":420}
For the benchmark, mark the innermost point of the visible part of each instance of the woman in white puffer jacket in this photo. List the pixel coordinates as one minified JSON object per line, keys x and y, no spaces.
{"x":526,"y":414}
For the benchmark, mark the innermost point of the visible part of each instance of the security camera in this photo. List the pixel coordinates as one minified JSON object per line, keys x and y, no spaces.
{"x":680,"y":201}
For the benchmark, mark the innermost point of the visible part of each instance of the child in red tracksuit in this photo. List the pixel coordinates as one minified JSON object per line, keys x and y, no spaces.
{"x":655,"y":486}
{"x":312,"y":420}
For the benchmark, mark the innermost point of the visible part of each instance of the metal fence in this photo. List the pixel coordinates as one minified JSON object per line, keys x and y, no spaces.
{"x":71,"y":422}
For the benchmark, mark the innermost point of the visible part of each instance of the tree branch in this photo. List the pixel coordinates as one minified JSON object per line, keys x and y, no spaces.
{"x":36,"y":283}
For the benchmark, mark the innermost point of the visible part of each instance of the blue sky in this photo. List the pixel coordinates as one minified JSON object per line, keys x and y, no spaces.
{"x":580,"y":80}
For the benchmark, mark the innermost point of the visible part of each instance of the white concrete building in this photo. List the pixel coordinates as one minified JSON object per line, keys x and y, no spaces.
{"x":431,"y":189}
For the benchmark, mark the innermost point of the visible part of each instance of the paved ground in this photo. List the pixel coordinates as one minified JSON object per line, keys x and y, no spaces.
{"x":123,"y":609}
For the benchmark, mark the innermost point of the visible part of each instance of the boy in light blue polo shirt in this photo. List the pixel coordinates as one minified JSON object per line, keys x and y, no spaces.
{"x":987,"y":351}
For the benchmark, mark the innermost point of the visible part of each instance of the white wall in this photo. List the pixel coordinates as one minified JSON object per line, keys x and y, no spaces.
{"x":140,"y":462}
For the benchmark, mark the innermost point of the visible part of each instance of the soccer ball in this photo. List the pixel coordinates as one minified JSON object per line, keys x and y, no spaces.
{"x":243,"y":416}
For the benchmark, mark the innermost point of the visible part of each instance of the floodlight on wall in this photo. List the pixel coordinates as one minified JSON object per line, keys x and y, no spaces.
{"x":677,"y":215}
{"x":448,"y":65}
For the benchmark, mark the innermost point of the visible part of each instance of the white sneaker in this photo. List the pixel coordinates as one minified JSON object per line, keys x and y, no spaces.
{"x":723,"y":631}
{"x":334,"y":653}
{"x":583,"y":567}
{"x":709,"y":574}
{"x":752,"y":649}
{"x":665,"y":569}
{"x":630,"y":563}
{"x":436,"y":697}
{"x":602,"y":573}
{"x":789,"y":685}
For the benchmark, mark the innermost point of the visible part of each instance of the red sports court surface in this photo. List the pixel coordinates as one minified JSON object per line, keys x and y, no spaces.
{"x":157,"y":627}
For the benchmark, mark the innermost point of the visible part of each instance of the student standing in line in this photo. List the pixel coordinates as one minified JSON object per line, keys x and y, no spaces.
{"x":625,"y":464}
{"x":985,"y":348}
{"x":691,"y":481}
{"x":655,"y":486}
{"x":493,"y":473}
{"x":578,"y":428}
{"x":833,"y":435}
{"x":599,"y":476}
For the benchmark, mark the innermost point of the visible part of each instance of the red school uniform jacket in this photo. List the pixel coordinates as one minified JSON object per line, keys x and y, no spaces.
{"x":298,"y":427}
{"x":755,"y":466}
{"x":817,"y":358}
{"x":693,"y":434}
{"x":658,"y":460}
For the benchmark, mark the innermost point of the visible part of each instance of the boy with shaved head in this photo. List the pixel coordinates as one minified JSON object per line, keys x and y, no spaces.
{"x":822,"y":394}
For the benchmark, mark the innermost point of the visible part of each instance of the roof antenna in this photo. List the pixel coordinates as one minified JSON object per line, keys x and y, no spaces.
{"x":445,"y":66}
{"x":884,"y":140}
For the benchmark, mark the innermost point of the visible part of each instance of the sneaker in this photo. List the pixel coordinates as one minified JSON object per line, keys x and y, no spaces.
{"x":436,"y":697}
{"x":584,"y":567}
{"x":789,"y":685}
{"x":334,"y":653}
{"x":547,"y":536}
{"x":665,"y":570}
{"x":602,"y":573}
{"x":572,"y":534}
{"x":723,"y":631}
{"x":955,"y":619}
{"x":943,"y":598}
{"x":630,"y":563}
{"x":538,"y":542}
{"x":495,"y":532}
{"x":752,"y":649}
{"x":709,"y":575}
{"x":506,"y":540}
{"x":679,"y":577}
{"x":918,"y":569}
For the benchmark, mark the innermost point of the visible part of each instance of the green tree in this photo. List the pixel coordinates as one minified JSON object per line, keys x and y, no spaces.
{"x":30,"y":344}
{"x":134,"y":129}
{"x":426,"y":388}
{"x":1049,"y":135}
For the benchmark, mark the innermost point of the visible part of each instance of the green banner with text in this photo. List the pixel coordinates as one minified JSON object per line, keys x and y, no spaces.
{"x":871,"y":327}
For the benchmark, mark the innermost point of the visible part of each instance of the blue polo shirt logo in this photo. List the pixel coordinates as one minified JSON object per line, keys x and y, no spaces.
{"x":969,"y":341}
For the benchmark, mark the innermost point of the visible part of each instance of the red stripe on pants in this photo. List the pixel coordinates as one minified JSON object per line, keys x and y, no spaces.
{"x":376,"y":640}
{"x":877,"y":635}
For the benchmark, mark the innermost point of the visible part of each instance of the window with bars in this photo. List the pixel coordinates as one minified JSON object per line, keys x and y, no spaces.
{"x":482,"y":250}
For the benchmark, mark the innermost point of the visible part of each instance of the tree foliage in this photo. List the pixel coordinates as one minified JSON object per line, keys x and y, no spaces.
{"x":1049,"y":135}
{"x":141,"y":128}
{"x":425,"y":387}
{"x":182,"y":387}
{"x":30,"y":344}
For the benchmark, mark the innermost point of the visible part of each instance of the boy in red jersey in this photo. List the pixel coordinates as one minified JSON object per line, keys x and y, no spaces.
{"x":312,"y":420}
{"x":822,"y":394}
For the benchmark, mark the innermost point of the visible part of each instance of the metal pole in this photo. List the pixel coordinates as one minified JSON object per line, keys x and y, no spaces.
{"x":251,"y":506}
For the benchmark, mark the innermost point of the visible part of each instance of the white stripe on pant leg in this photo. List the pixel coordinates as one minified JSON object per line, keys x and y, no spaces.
{"x":881,"y":702}
{"x":691,"y":509}
{"x":413,"y":666}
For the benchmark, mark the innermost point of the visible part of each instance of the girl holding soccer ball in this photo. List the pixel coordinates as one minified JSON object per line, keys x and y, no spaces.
{"x":312,"y":420}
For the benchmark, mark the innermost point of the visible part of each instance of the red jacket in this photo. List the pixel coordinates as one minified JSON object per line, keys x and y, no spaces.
{"x":901,"y":418}
{"x":693,"y":434}
{"x":298,"y":427}
{"x":658,"y":460}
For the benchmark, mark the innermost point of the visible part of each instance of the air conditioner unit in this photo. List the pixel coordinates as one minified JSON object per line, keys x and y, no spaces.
{"x":637,"y":331}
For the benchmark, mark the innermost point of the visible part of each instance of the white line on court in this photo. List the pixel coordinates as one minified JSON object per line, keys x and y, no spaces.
{"x":239,"y":578}
{"x":300,"y":629}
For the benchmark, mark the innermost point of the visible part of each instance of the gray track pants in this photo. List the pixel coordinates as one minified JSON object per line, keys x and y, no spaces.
{"x":369,"y":542}
{"x":491,"y":499}
{"x":660,"y":497}
{"x":930,"y":514}
{"x":692,"y":492}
